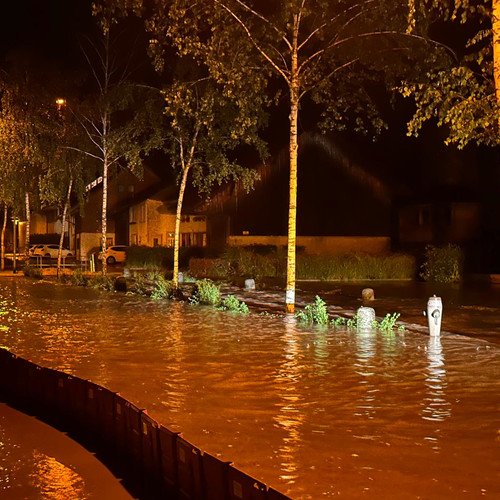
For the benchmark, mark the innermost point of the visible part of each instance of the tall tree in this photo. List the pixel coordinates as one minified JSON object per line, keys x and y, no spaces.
{"x":462,"y":95}
{"x":121,"y":121}
{"x":213,"y":101}
{"x":206,"y":125}
{"x":319,"y":49}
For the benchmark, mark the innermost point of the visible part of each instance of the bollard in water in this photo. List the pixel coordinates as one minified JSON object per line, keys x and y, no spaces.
{"x":250,"y":284}
{"x":434,"y":315}
{"x":366,"y":317}
{"x":368,"y":294}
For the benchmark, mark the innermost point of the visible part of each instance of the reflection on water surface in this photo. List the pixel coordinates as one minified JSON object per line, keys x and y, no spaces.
{"x":314,"y":413}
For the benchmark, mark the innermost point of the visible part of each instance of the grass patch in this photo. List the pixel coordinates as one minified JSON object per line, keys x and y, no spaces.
{"x":443,"y":264}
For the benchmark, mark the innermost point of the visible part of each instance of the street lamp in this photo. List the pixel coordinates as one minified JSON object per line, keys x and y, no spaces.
{"x":60,"y":103}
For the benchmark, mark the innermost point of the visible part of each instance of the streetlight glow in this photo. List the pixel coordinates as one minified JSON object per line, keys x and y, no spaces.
{"x":60,"y":102}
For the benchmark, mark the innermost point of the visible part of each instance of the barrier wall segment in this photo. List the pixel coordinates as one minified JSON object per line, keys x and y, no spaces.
{"x":162,"y":463}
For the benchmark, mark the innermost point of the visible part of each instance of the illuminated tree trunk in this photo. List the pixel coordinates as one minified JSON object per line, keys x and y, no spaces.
{"x":104,"y":214}
{"x":64,"y":215}
{"x":28,"y":223}
{"x":496,"y":52}
{"x":177,"y":231}
{"x":292,"y":206}
{"x":2,"y":242}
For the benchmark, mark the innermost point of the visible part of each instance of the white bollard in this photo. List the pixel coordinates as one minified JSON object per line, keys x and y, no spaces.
{"x":180,"y":277}
{"x":434,"y":315}
{"x":366,"y":317}
{"x":250,"y":284}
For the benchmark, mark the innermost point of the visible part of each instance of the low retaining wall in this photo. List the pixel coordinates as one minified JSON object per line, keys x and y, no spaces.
{"x":163,"y":462}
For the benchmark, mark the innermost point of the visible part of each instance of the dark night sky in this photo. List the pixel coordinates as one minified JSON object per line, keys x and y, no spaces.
{"x":50,"y":27}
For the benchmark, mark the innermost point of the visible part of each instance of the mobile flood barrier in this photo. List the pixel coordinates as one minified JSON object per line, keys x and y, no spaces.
{"x":154,"y":461}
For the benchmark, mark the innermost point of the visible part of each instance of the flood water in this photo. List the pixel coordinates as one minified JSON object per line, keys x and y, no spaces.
{"x":315,"y":413}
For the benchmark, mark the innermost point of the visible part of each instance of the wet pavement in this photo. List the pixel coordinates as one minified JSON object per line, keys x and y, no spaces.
{"x":313,"y":412}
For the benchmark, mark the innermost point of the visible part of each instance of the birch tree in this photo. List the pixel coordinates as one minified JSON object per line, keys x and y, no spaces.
{"x":205,"y":127}
{"x":213,"y":100}
{"x":321,"y":50}
{"x":119,"y":120}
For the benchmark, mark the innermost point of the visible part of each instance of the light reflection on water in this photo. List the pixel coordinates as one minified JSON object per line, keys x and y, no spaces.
{"x":313,"y":412}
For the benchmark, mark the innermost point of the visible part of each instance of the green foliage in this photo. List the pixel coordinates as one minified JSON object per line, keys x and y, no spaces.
{"x":78,"y":278}
{"x":163,"y":288}
{"x":388,"y":323}
{"x":206,"y":292}
{"x":242,"y":262}
{"x":233,"y":304}
{"x":315,"y":313}
{"x":209,"y":268}
{"x":255,"y":263}
{"x":101,"y":282}
{"x":355,"y":267}
{"x":141,"y":285}
{"x":32,"y":271}
{"x":443,"y":264}
{"x":159,"y":258}
{"x":459,"y":92}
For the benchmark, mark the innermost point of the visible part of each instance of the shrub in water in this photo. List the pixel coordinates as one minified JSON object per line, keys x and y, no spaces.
{"x":102,"y":282}
{"x":388,"y":322}
{"x":231,"y":303}
{"x":442,"y":265}
{"x":163,"y":288}
{"x":206,"y":292}
{"x":314,"y":313}
{"x":78,"y":278}
{"x":32,"y":272}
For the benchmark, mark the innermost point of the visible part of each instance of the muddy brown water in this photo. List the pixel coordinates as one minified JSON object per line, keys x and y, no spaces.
{"x":313,"y":412}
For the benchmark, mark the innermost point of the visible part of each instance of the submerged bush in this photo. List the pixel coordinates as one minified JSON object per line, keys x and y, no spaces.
{"x":233,"y":304}
{"x":78,"y":278}
{"x":442,"y":264}
{"x":101,"y":282}
{"x":163,"y":289}
{"x":314,"y":313}
{"x":206,"y":292}
{"x":32,"y":272}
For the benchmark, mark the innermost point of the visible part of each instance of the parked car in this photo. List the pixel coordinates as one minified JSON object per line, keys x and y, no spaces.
{"x":51,"y":251}
{"x":32,"y":248}
{"x":114,"y":254}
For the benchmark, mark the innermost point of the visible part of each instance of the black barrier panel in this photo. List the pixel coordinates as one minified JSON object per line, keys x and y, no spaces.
{"x":133,"y":437}
{"x":62,"y":383}
{"x":77,"y":393}
{"x":5,"y":369}
{"x":244,"y":487}
{"x":92,"y":407}
{"x":49,"y":387}
{"x":273,"y":494}
{"x":189,"y":470}
{"x":168,"y":454}
{"x":150,"y":447}
{"x":40,"y":389}
{"x":20,"y":382}
{"x":106,"y":400}
{"x":120,"y":423}
{"x":215,"y":483}
{"x":9,"y":381}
